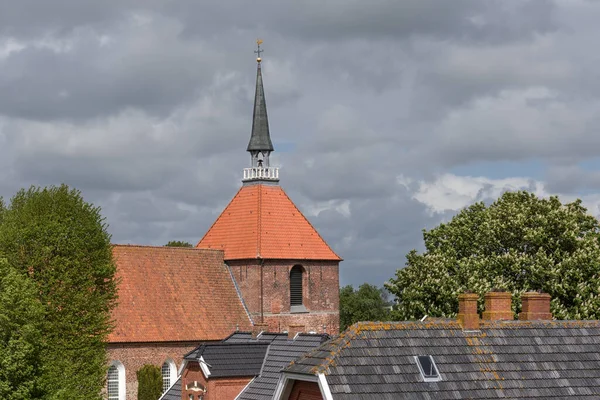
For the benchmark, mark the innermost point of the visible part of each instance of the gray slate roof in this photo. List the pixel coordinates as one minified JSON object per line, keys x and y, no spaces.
{"x":507,"y":359}
{"x":231,"y":359}
{"x":281,"y":352}
{"x":260,"y":139}
{"x":239,"y":355}
{"x":174,"y":392}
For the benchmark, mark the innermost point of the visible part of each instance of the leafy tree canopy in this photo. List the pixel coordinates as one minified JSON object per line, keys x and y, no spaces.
{"x":365,"y":304}
{"x":149,"y":382}
{"x":21,"y":316}
{"x":518,"y":243}
{"x":60,"y":243}
{"x":178,"y":243}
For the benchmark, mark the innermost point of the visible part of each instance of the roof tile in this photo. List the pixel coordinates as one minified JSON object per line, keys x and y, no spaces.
{"x":262,"y":221}
{"x":174,"y":294}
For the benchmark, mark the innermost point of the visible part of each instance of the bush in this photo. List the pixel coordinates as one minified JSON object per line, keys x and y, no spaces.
{"x":149,"y":382}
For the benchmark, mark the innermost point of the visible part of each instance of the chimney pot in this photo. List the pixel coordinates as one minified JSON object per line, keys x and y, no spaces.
{"x":467,"y":311}
{"x":295,"y":329}
{"x":497,"y":306}
{"x":258,"y":328}
{"x":536,"y":306}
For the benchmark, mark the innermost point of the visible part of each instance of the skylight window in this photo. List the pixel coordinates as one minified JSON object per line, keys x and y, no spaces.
{"x":428,"y":370}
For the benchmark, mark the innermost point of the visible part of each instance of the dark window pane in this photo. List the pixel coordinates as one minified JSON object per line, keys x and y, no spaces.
{"x":427,"y":366}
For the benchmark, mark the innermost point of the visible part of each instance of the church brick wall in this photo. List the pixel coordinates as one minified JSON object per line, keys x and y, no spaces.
{"x":303,"y":390}
{"x":320,"y":293}
{"x":134,"y":355}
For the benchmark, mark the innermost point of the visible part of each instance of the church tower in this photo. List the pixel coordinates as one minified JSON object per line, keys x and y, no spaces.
{"x":287,"y":274}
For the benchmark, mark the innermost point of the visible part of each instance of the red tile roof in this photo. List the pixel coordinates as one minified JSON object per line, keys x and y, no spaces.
{"x":262,"y":221}
{"x":174,"y":294}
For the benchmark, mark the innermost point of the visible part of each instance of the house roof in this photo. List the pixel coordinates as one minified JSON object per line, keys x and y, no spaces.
{"x":505,"y":359}
{"x":231,"y":359}
{"x":240,"y":355}
{"x":174,"y":392}
{"x":280,"y":353}
{"x":169,"y":294}
{"x":262,"y":222}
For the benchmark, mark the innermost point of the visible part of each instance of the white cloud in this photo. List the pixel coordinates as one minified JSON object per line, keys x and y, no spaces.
{"x":451,"y":192}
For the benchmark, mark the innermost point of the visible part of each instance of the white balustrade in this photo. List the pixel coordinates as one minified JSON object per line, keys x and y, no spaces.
{"x":270,"y":173}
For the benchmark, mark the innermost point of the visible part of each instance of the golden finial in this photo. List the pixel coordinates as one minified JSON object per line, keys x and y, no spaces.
{"x":258,"y":51}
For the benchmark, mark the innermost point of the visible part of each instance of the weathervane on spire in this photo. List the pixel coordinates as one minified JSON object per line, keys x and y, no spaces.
{"x":258,"y":51}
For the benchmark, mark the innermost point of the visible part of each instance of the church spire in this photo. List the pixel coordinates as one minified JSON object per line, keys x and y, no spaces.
{"x":260,"y":145}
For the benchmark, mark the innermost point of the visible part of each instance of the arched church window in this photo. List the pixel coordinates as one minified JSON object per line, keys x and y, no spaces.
{"x":169,"y":374}
{"x":296,"y":276}
{"x":115,"y":382}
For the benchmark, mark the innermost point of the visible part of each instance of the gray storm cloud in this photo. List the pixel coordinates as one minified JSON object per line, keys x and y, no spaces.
{"x":146,"y":107}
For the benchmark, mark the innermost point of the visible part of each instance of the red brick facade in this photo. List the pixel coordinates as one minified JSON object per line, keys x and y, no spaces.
{"x":272,"y":300}
{"x":216,"y":388}
{"x":134,"y":355}
{"x":303,"y":390}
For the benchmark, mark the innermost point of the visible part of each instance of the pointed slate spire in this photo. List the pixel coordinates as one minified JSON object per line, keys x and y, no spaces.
{"x":260,"y":145}
{"x":260,"y":140}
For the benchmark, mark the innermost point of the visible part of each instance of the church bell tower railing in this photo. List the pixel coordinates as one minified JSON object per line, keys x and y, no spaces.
{"x":259,"y":173}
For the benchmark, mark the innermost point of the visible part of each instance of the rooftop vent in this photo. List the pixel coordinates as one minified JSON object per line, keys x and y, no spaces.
{"x":428,"y":370}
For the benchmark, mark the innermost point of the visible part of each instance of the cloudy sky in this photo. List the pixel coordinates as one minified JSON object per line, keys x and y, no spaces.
{"x":387,"y":116}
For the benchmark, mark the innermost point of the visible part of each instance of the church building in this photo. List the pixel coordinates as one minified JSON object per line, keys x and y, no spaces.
{"x":286,"y":272}
{"x":261,"y":265}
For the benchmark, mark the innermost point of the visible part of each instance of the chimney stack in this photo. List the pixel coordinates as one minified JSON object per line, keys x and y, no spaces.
{"x":295,"y":329}
{"x":467,"y":311}
{"x":536,"y":306}
{"x":258,"y":328}
{"x":497,"y":306}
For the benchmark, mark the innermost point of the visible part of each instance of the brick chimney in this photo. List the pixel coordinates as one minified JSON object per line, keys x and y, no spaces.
{"x":536,"y":306}
{"x":294,"y":329}
{"x":467,"y":311}
{"x":498,"y":306}
{"x":258,"y":328}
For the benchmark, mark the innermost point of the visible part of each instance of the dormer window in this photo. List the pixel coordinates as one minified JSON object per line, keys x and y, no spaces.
{"x":428,"y":369}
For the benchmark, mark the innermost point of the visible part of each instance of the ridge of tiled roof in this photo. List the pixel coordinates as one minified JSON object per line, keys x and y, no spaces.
{"x":503,"y":359}
{"x":149,"y":246}
{"x":343,"y":340}
{"x":261,"y":221}
{"x":159,"y":295}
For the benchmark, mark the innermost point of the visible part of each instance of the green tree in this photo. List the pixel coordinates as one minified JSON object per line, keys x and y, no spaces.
{"x":365,"y":304}
{"x":149,"y":382}
{"x":60,"y":243}
{"x":518,"y":243}
{"x":21,"y":316}
{"x":178,"y":243}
